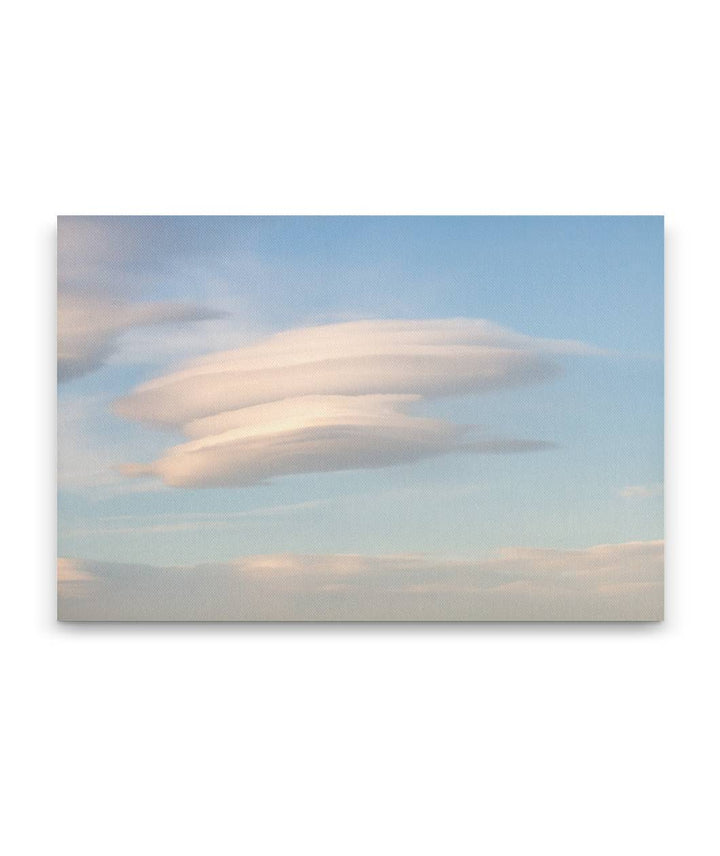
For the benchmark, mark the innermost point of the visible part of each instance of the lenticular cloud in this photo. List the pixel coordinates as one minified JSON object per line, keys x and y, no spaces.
{"x":335,"y":397}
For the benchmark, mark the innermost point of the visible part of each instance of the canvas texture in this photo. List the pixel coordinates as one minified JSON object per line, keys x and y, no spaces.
{"x":360,"y":418}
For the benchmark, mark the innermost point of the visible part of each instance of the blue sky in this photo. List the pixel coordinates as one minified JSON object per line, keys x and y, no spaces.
{"x":598,"y":281}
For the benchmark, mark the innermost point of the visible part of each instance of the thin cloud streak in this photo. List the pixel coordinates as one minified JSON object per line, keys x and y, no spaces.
{"x":197,"y":521}
{"x":641,"y":491}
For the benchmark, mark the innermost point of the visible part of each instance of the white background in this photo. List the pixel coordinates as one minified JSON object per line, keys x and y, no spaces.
{"x":351,"y":739}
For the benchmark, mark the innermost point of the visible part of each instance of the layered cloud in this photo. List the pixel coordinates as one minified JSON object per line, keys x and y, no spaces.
{"x":334,"y":397}
{"x":311,"y":434}
{"x":613,"y":582}
{"x":89,"y":327}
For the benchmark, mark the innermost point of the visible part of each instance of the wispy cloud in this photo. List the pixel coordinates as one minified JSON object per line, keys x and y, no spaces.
{"x":129,"y":524}
{"x":335,"y":397}
{"x":89,"y":327}
{"x":641,"y":491}
{"x":606,"y":582}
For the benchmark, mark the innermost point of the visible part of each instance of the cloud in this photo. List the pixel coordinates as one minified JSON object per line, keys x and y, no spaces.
{"x":311,"y":434}
{"x":334,"y":397}
{"x":427,"y":358}
{"x":89,"y":327}
{"x":72,"y":571}
{"x":641,"y":491}
{"x":612,"y":582}
{"x":131,"y":524}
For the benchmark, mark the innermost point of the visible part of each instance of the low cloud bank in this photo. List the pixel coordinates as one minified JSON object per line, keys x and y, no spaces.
{"x":612,"y":582}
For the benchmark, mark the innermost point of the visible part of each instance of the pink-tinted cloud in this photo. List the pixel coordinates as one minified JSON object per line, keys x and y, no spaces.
{"x":334,"y":397}
{"x":612,"y":582}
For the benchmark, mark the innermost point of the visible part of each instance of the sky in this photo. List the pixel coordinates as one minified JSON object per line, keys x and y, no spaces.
{"x":431,"y":396}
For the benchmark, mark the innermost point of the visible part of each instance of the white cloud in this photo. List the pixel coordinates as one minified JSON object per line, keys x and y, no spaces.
{"x":607,"y":582}
{"x":89,"y":327}
{"x":641,"y":491}
{"x":310,"y":434}
{"x":334,"y":397}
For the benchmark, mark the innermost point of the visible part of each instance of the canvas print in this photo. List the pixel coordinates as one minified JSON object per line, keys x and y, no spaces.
{"x":360,"y":418}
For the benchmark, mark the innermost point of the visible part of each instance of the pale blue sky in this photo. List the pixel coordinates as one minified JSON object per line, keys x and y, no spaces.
{"x":597,"y":280}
